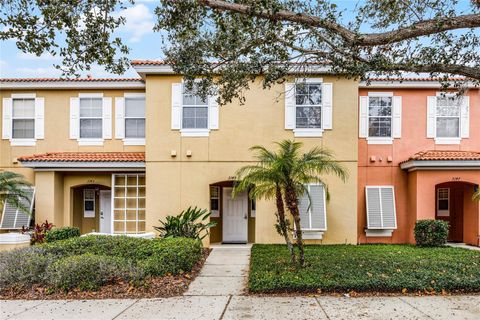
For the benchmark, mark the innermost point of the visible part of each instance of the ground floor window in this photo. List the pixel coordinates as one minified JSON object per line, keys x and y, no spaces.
{"x":128,"y":203}
{"x":312,"y":208}
{"x":443,"y":203}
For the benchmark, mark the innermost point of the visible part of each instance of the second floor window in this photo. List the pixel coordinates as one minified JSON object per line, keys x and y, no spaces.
{"x":380,"y":116}
{"x":134,"y":118}
{"x":308,"y":105}
{"x":90,"y":118}
{"x":447,"y":117}
{"x":194,"y":111}
{"x":23,"y":118}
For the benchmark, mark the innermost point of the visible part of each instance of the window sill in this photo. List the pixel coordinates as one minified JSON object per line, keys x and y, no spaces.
{"x":23,"y":142}
{"x":378,"y":232}
{"x":377,"y":140}
{"x":90,"y":142}
{"x":313,"y":133}
{"x":134,"y":142}
{"x":311,"y":234}
{"x":195,"y":132}
{"x":448,"y":140}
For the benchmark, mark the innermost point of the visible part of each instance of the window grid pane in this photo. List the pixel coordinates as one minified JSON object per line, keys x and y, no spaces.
{"x":135,"y":128}
{"x":308,"y":99}
{"x":91,"y":118}
{"x":195,"y":110}
{"x":129,"y":203}
{"x":380,"y":116}
{"x":23,"y":108}
{"x":23,"y":129}
{"x":448,"y":117}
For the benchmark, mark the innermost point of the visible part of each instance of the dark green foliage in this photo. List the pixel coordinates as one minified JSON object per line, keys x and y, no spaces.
{"x":431,"y":233}
{"x":62,"y":233}
{"x":88,"y":272}
{"x":173,"y":256}
{"x":190,"y":223}
{"x":23,"y":267}
{"x":365,"y":268}
{"x":74,"y":262}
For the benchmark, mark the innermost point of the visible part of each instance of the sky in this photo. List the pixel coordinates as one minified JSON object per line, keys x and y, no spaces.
{"x":137,"y":33}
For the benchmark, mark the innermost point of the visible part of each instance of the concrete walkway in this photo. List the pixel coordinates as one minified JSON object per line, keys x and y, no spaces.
{"x":218,"y":293}
{"x":463,"y":246}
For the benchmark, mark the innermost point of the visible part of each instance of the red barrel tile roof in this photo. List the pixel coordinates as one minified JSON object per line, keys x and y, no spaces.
{"x":445,"y":155}
{"x":85,"y":157}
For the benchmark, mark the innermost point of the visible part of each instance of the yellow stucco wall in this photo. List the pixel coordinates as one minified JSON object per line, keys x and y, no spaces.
{"x":174,"y":184}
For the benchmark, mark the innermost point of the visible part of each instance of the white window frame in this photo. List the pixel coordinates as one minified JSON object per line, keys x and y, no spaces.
{"x":133,"y":141}
{"x":89,"y":141}
{"x":125,"y":197}
{"x":379,"y":140}
{"x":194,"y":132}
{"x":443,"y":213}
{"x":89,"y":213}
{"x":310,"y":208}
{"x":448,"y":140}
{"x":215,"y":213}
{"x":25,"y":142}
{"x":308,"y":132}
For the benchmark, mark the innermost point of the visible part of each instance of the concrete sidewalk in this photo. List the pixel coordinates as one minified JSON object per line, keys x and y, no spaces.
{"x":218,"y":293}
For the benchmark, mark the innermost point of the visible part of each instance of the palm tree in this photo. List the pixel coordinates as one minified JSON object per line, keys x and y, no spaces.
{"x":263,"y":181}
{"x":476,"y":195}
{"x":298,"y":170}
{"x":13,"y":190}
{"x":287,"y":172}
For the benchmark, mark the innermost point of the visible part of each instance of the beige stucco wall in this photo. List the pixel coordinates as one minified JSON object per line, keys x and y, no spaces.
{"x":174,"y":184}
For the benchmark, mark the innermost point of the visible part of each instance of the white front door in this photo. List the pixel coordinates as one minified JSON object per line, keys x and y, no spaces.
{"x":105,"y":211}
{"x":235,"y":217}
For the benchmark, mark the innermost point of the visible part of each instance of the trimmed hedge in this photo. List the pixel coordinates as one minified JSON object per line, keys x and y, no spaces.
{"x":62,"y":233}
{"x":365,"y":268}
{"x":431,"y":233}
{"x":91,"y":261}
{"x":23,"y":267}
{"x":88,"y":272}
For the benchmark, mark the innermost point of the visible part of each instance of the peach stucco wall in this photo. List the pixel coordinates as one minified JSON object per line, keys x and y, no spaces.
{"x":415,"y":191}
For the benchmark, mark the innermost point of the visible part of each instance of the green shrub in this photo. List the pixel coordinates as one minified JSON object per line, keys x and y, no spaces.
{"x":88,"y":272}
{"x":175,"y":255}
{"x":431,"y":233}
{"x":23,"y":267}
{"x":117,"y":246}
{"x":190,"y":223}
{"x":62,"y":233}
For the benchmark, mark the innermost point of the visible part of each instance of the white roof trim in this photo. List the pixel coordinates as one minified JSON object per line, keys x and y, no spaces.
{"x":93,"y":165}
{"x":145,"y":69}
{"x":418,"y":84}
{"x":4,"y":85}
{"x":413,"y":165}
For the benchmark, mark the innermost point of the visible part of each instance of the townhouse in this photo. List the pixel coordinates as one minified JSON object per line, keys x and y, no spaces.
{"x":418,"y":159}
{"x":117,"y":155}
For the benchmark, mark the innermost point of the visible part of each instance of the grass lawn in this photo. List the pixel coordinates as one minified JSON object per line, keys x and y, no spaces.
{"x":365,"y":268}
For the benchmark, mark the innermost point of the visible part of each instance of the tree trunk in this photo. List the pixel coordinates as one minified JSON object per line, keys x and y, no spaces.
{"x":283,"y":223}
{"x":292,"y":205}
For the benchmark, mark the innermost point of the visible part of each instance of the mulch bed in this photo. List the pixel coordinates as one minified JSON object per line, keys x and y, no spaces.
{"x":156,"y":287}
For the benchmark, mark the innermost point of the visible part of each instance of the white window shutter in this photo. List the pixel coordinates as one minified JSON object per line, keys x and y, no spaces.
{"x":303,"y":208}
{"x":7,"y":118}
{"x":381,"y":207}
{"x":289,"y":105}
{"x":388,"y":208}
{"x":39,"y":118}
{"x":318,"y":207}
{"x":176,"y":106}
{"x":363,"y":117}
{"x":397,"y":117}
{"x":107,"y":118}
{"x":431,"y":118}
{"x":465,"y":117}
{"x":213,"y":112}
{"x":74,"y":118}
{"x":13,"y":217}
{"x":327,"y":106}
{"x":119,"y":118}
